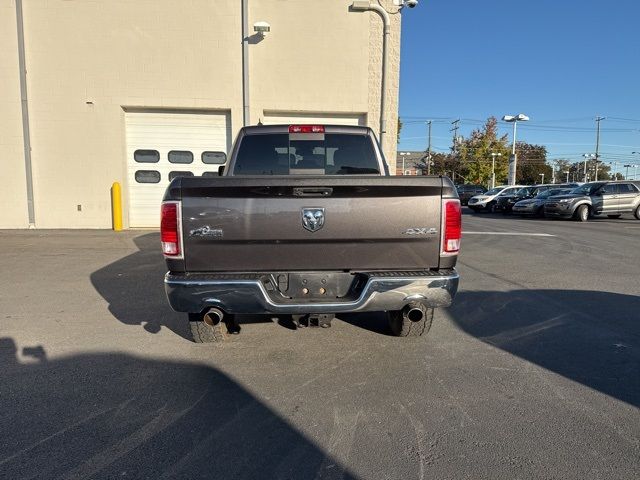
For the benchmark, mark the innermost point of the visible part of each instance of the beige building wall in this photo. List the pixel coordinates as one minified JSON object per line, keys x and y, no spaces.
{"x":13,"y":194}
{"x":88,"y":62}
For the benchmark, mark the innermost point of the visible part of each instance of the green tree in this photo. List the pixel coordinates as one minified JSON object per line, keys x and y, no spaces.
{"x":399,"y":128}
{"x":561,"y":166}
{"x":532,"y":164}
{"x":474,"y":154}
{"x":577,"y":171}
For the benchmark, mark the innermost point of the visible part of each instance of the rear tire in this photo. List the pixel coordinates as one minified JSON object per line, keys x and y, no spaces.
{"x":637,"y":213}
{"x":402,"y":326}
{"x":203,"y":333}
{"x":582,"y":213}
{"x":617,"y":215}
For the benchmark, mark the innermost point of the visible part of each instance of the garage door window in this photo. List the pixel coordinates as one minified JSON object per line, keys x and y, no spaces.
{"x":147,"y":176}
{"x":214,"y":158}
{"x":180,"y":156}
{"x":146,"y":156}
{"x":175,"y":174}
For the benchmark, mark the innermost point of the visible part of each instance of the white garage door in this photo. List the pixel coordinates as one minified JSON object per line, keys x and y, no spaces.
{"x":163,"y":145}
{"x":289,"y":118}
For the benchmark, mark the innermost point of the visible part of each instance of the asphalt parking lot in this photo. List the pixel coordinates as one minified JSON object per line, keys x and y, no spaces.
{"x":533,"y":373}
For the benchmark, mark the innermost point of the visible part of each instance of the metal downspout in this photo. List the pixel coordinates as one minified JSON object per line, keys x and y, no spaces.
{"x":383,"y":84}
{"x":26,"y":136}
{"x":246,"y":119}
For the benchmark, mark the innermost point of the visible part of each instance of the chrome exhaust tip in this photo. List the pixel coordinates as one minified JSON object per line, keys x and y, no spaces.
{"x":213,"y":316}
{"x":413,"y":314}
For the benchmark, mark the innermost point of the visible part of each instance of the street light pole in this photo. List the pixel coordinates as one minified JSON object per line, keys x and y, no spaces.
{"x":513,"y":161}
{"x":403,"y":155}
{"x":493,"y":168}
{"x":587,"y":156}
{"x":567,"y":172}
{"x":635,"y":167}
{"x":626,"y":174}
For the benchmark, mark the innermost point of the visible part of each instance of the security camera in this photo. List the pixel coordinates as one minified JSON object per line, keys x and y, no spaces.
{"x":262,"y":28}
{"x":411,"y":3}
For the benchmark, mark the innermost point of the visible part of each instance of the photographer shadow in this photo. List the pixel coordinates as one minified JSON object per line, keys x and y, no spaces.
{"x":111,"y":415}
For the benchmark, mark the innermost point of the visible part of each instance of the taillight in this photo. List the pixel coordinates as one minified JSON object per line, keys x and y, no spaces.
{"x":451,"y":226}
{"x":306,"y":128}
{"x":170,"y":235}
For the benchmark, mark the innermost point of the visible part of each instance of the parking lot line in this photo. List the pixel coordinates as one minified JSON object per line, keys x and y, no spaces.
{"x":521,"y":234}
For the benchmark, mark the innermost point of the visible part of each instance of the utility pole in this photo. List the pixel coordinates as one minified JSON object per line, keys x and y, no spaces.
{"x":598,"y":120}
{"x":626,"y":174}
{"x":455,"y":128}
{"x":429,"y":150}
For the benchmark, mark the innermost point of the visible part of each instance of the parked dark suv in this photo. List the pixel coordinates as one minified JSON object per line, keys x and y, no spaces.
{"x":505,"y":203}
{"x":596,"y":198}
{"x":465,"y":192}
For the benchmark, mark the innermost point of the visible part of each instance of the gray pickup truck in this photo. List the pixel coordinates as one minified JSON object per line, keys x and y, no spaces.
{"x":306,"y":223}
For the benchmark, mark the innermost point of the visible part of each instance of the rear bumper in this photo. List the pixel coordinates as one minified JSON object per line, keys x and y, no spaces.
{"x":246,"y":295}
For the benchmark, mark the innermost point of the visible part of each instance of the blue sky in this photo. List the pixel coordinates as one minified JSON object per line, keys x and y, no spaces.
{"x":560,"y":62}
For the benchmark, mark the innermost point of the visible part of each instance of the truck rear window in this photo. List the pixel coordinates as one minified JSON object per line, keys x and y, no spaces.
{"x":306,"y":154}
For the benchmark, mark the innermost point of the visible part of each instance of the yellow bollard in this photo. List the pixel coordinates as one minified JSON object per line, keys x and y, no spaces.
{"x":116,"y":207}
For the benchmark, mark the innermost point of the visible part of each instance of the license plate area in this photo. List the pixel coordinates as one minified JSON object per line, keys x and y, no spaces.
{"x":314,"y":286}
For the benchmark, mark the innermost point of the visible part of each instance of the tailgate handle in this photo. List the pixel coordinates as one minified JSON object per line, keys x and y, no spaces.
{"x":312,"y":191}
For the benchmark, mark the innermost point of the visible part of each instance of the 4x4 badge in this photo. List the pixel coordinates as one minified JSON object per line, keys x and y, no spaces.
{"x":313,"y":218}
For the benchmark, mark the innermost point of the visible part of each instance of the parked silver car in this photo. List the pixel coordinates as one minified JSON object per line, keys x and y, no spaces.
{"x":535,"y":205}
{"x":596,"y":198}
{"x":487,"y":201}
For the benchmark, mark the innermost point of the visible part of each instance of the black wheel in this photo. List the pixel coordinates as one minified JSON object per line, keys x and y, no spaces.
{"x":415,"y":320}
{"x":540,"y":212}
{"x":491,"y":207}
{"x":203,"y":333}
{"x":637,"y":212}
{"x":616,"y":215}
{"x":582,"y":213}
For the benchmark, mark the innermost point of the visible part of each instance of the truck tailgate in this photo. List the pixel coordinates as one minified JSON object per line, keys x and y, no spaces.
{"x":355,"y":223}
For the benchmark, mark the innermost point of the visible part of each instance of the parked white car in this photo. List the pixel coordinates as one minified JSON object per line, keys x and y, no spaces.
{"x":487,"y":201}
